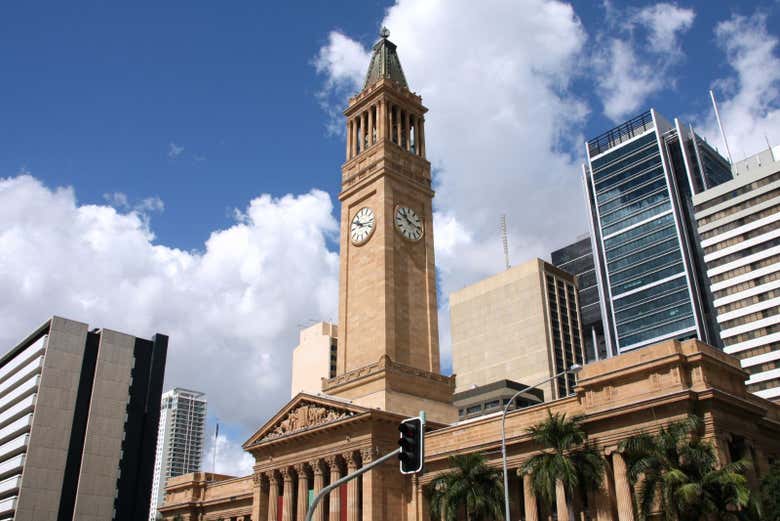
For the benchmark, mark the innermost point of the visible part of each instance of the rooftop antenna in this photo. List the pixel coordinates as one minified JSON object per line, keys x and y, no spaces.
{"x":214,"y":461}
{"x":504,"y":240}
{"x":720,"y":126}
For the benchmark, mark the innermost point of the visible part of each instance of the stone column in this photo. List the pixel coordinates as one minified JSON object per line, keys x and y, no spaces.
{"x":372,"y":488}
{"x":353,"y":507}
{"x":303,"y":492}
{"x":273,"y":496}
{"x":352,"y":138}
{"x":260,"y":494}
{"x":319,"y":483}
{"x":288,"y":503}
{"x":334,"y":511}
{"x":364,"y":140}
{"x":349,"y":126}
{"x":421,"y":144}
{"x":371,"y":121}
{"x":625,"y":504}
{"x":529,"y":498}
{"x":381,"y":115}
{"x":409,"y":119}
{"x":721,"y":444}
{"x":602,"y":498}
{"x":560,"y":501}
{"x":398,"y":123}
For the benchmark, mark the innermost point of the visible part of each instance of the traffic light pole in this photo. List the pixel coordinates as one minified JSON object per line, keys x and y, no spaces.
{"x":346,"y":478}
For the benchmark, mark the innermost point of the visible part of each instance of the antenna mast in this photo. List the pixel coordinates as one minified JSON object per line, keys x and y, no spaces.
{"x":504,"y":240}
{"x":720,"y":126}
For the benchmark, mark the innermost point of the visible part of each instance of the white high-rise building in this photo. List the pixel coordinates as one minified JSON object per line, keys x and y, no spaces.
{"x":739,"y":228}
{"x":179,"y":440}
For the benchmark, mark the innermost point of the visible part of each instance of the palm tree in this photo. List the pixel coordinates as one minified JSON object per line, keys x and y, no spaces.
{"x":471,"y":487}
{"x":567,"y":462}
{"x":677,"y":471}
{"x":770,"y":489}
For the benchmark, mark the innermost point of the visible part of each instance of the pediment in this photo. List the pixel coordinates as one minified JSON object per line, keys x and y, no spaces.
{"x":302,"y":413}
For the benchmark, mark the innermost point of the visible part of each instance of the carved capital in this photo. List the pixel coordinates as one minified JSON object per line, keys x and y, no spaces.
{"x":302,"y":469}
{"x":259,"y":478}
{"x":351,"y":458}
{"x":318,"y":467}
{"x":368,"y":454}
{"x":273,"y":477}
{"x":287,"y":474}
{"x":333,"y":462}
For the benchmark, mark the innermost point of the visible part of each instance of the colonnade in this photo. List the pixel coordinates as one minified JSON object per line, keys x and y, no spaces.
{"x":613,"y":502}
{"x":283,"y":494}
{"x":385,"y":120}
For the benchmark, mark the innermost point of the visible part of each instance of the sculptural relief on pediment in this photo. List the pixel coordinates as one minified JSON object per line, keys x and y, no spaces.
{"x":305,"y":416}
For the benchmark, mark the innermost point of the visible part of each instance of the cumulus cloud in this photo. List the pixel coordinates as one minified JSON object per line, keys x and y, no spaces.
{"x":343,"y":62}
{"x":230,"y":310}
{"x":504,"y":128}
{"x":748,"y":99}
{"x":635,"y":64}
{"x":231,"y":459}
{"x":665,"y":23}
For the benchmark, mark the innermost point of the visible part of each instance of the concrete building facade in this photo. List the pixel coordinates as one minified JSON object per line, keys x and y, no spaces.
{"x":314,"y":358}
{"x":639,"y":179}
{"x":522,"y":324}
{"x":179,"y":440}
{"x":493,"y":397}
{"x":77,"y":437}
{"x":739,"y":228}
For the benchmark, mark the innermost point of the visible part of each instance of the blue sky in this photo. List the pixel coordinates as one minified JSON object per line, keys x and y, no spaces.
{"x":95,"y":94}
{"x":175,"y":167}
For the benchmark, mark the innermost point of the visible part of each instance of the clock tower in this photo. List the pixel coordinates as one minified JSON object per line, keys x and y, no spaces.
{"x":388,"y":352}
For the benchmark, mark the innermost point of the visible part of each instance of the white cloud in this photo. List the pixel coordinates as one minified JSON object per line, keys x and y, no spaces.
{"x":231,"y":310}
{"x":748,"y":100}
{"x":624,"y":80}
{"x":666,"y":23}
{"x":636,"y":64}
{"x":231,"y":458}
{"x":174,"y":150}
{"x":504,"y":128}
{"x":343,"y":62}
{"x":117,"y":199}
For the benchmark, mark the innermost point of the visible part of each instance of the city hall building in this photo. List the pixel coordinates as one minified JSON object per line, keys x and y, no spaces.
{"x":387,"y":366}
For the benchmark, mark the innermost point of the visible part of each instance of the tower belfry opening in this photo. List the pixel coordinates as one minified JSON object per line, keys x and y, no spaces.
{"x":393,"y":120}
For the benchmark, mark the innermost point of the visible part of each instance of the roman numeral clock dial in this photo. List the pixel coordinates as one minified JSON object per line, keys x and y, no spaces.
{"x":408,"y":223}
{"x":362,"y":226}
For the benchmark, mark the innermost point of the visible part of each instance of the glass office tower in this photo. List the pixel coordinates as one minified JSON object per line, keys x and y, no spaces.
{"x":639,"y":179}
{"x":577,"y":259}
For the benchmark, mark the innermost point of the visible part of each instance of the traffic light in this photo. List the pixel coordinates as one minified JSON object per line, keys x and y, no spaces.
{"x":412,"y":442}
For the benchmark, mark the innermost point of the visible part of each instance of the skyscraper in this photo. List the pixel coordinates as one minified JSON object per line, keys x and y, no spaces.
{"x":639,"y":179}
{"x":179,"y":440}
{"x":77,"y":420}
{"x":577,"y":259}
{"x":739,"y":226}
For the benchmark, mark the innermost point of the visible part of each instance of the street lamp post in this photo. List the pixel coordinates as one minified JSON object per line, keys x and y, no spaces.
{"x":574,"y":369}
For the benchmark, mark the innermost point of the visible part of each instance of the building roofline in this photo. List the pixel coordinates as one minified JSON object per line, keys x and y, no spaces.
{"x":27,"y":342}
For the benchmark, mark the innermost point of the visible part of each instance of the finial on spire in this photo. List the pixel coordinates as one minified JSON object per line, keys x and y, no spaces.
{"x":384,"y":62}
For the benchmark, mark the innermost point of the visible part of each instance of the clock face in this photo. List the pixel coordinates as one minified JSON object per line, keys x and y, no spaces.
{"x":408,"y":223}
{"x":362,"y":225}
